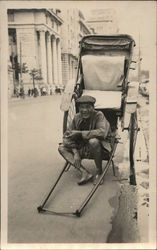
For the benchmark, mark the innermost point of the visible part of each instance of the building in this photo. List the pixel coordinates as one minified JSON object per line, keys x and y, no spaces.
{"x":34,"y":40}
{"x":72,"y":30}
{"x":84,"y":29}
{"x":103,"y":21}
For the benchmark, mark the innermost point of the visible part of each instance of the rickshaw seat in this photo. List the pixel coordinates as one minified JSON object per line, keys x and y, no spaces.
{"x":102,"y":72}
{"x":105,"y":99}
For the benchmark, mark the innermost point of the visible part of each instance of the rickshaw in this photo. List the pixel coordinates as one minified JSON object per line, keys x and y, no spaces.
{"x":103,"y":72}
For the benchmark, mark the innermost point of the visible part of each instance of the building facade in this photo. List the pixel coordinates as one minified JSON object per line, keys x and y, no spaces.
{"x":35,"y":40}
{"x":103,"y":21}
{"x":72,"y":30}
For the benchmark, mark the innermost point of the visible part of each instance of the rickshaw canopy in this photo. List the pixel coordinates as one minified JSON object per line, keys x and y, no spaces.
{"x":107,"y":42}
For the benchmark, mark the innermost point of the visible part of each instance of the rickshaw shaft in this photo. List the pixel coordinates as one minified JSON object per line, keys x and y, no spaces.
{"x":66,"y":164}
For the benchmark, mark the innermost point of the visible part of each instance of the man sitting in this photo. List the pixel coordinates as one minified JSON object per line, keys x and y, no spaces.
{"x":86,"y":138}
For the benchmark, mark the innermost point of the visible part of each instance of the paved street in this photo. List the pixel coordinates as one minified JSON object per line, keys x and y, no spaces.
{"x":35,"y":129}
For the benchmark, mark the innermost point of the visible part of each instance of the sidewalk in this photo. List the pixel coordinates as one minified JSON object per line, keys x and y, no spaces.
{"x":28,"y":98}
{"x":142,"y":168}
{"x":131,"y":221}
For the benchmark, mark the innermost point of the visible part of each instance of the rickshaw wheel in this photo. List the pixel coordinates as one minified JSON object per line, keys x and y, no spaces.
{"x":69,"y":115}
{"x":133,"y":130}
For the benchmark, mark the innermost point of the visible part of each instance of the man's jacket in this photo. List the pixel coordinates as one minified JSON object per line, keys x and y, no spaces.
{"x":96,"y":126}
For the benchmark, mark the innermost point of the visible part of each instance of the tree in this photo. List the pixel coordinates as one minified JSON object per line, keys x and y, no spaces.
{"x":36,"y":75}
{"x":20,"y":69}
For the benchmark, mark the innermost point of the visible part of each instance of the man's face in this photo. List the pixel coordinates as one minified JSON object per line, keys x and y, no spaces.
{"x":86,"y":110}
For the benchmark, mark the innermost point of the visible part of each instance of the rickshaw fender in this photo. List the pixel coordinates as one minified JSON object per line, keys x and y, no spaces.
{"x":67,"y":95}
{"x":130,"y":102}
{"x":132,"y":94}
{"x":132,"y":97}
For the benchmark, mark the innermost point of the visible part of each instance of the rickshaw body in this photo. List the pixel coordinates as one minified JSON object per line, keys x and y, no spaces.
{"x":103,"y":71}
{"x":104,"y":64}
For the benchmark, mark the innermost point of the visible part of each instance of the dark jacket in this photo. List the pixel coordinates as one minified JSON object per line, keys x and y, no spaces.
{"x":99,"y":128}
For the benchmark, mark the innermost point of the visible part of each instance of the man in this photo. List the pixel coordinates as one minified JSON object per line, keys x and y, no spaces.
{"x":86,"y":138}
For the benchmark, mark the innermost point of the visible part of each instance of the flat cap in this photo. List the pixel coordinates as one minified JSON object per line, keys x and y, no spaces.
{"x":86,"y":99}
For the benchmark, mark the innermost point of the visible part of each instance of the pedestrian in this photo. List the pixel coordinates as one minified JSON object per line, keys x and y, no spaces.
{"x":53,"y":89}
{"x":29,"y":92}
{"x":87,"y":138}
{"x":35,"y":92}
{"x":48,"y":90}
{"x":32,"y":92}
{"x":22,"y":92}
{"x":44,"y":92}
{"x":16,"y":92}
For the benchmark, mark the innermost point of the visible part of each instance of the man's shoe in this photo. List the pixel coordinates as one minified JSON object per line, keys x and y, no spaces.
{"x":97,"y":178}
{"x":86,"y":177}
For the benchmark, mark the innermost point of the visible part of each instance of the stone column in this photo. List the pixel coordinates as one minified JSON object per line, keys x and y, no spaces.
{"x":59,"y":62}
{"x":43,"y":56}
{"x":55,"y":62}
{"x":49,"y":55}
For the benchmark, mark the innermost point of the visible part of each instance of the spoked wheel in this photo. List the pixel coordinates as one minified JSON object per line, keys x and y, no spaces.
{"x":69,"y":115}
{"x":133,"y":130}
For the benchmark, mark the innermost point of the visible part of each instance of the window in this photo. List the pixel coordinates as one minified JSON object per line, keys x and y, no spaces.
{"x":12,"y":35}
{"x":11,"y":17}
{"x":52,"y":23}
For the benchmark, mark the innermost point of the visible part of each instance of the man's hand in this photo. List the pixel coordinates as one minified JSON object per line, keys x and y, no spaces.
{"x":73,"y":134}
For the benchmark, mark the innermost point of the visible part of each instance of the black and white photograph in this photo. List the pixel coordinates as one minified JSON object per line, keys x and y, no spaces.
{"x":78,"y":124}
